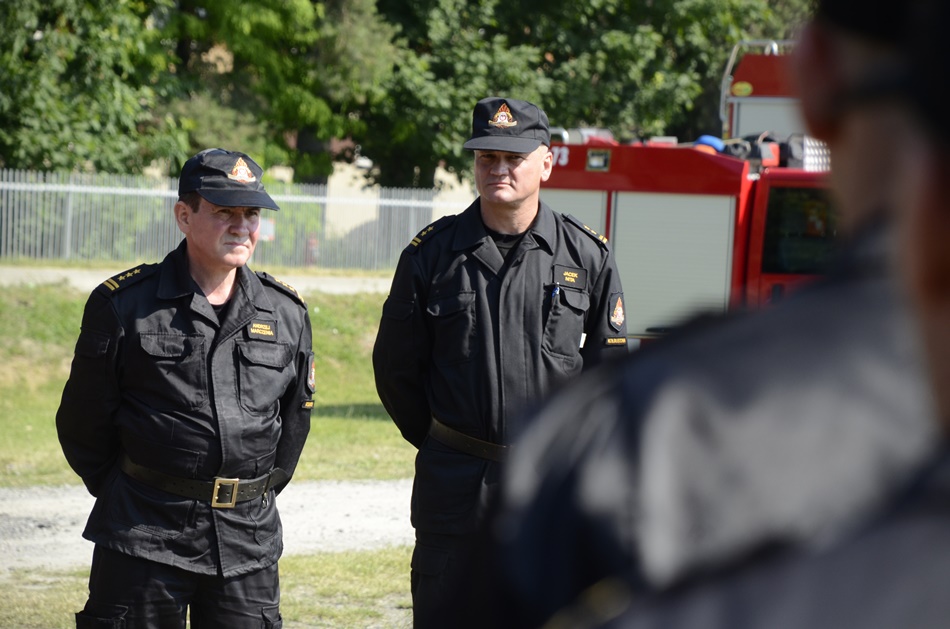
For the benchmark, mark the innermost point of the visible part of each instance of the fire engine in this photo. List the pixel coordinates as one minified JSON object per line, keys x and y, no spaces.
{"x":718,"y":223}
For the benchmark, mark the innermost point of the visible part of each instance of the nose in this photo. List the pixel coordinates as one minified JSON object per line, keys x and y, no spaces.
{"x":500,"y":167}
{"x":243,"y":223}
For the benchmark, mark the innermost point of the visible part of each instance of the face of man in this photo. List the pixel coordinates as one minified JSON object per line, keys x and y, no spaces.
{"x":219,"y":238}
{"x":511,"y":179}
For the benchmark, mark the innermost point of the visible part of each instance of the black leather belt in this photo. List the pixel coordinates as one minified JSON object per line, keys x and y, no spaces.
{"x":464,"y":443}
{"x":222,"y":493}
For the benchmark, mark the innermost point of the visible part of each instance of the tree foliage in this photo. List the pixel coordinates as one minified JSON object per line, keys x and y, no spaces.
{"x":638,"y":68}
{"x":76,"y":90}
{"x":112,"y":86}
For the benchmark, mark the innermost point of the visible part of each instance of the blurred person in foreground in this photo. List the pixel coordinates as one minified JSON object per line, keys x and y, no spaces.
{"x":783,"y":469}
{"x":489,"y":311}
{"x":185,"y":412}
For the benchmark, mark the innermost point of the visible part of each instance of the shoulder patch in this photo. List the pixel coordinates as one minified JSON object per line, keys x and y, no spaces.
{"x":587,"y":230}
{"x":126,"y":278}
{"x":270,"y":280}
{"x":427,"y":233}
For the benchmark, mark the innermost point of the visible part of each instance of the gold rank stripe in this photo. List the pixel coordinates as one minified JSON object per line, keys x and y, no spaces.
{"x":418,"y":239}
{"x":113,"y":283}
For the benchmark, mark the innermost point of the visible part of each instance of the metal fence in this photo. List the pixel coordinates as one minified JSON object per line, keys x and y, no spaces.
{"x":128,"y":219}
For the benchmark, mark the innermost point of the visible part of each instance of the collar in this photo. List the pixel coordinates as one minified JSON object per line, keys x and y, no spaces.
{"x":175,"y":282}
{"x":472,"y":234}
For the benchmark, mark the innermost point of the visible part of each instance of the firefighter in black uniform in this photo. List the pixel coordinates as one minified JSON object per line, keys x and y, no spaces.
{"x":185,"y":412}
{"x":489,"y":311}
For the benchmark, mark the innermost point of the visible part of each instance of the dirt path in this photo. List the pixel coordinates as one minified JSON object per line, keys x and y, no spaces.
{"x":42,"y":527}
{"x":85,"y":280}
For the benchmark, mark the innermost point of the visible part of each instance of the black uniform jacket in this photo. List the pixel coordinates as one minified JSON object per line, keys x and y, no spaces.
{"x":158,"y":377}
{"x":474,"y":341}
{"x":760,"y":447}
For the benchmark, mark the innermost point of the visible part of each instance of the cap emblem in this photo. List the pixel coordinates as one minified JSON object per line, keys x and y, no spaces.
{"x":503,"y":118}
{"x":242,"y":172}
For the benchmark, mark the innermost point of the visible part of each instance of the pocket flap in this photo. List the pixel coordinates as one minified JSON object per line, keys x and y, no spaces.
{"x":169,"y":345}
{"x":429,"y":560}
{"x":397,"y":308}
{"x":267,"y":354}
{"x":578,"y":300}
{"x":449,"y":305}
{"x":92,"y":344}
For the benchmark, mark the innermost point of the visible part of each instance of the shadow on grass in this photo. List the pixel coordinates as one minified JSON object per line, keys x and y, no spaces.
{"x":358,"y":411}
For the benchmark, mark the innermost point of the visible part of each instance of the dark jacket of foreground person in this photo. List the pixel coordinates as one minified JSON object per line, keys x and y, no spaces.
{"x":798,"y":443}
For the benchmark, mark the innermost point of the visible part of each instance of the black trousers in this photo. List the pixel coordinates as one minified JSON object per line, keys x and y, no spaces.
{"x":127,"y":592}
{"x":439,"y":580}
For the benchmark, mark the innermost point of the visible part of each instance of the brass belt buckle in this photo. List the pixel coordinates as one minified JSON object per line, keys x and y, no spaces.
{"x":231,"y":483}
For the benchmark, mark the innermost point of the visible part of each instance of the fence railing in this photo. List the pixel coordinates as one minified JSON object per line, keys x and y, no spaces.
{"x":108,"y":218}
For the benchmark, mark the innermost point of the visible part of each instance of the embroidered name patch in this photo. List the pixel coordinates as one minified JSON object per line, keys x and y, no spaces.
{"x":570,"y":277}
{"x":264,"y":330}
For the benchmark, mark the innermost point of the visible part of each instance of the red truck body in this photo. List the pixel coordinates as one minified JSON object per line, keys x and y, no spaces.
{"x":698,"y":229}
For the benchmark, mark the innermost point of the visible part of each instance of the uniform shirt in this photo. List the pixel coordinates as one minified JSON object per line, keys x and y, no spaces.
{"x":158,"y":377}
{"x":474,"y":340}
{"x":790,"y":428}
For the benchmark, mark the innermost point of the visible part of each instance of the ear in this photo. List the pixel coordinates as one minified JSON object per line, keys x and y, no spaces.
{"x":183,"y":217}
{"x":548,"y":164}
{"x":817,"y":78}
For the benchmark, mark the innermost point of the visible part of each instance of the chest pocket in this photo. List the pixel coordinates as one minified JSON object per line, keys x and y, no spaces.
{"x":263,"y":375}
{"x":169,"y":374}
{"x":565,"y":324}
{"x":453,"y":327}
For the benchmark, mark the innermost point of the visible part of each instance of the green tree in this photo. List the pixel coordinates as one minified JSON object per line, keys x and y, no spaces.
{"x":76,"y":90}
{"x":637,"y":68}
{"x":293,"y":67}
{"x":446,"y":63}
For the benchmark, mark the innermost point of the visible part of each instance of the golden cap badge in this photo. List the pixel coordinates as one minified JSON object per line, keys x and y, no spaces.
{"x":242,"y":172}
{"x":503,"y":118}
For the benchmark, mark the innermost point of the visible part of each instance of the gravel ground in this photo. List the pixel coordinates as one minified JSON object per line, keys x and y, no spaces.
{"x":86,"y":280}
{"x":42,"y":527}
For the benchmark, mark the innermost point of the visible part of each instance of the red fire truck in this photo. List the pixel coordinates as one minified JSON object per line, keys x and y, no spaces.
{"x":710,"y":225}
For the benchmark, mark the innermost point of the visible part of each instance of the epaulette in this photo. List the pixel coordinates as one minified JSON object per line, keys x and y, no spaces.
{"x":587,"y":230}
{"x":426,"y":233}
{"x":126,"y":278}
{"x":270,"y":280}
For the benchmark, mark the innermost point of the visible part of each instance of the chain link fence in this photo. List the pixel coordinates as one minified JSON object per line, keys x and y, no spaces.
{"x":128,"y":219}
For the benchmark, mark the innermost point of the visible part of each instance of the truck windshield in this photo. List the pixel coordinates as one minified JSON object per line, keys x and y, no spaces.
{"x":800,"y":231}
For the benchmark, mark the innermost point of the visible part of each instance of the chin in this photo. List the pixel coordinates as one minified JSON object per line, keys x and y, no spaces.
{"x":236,"y":260}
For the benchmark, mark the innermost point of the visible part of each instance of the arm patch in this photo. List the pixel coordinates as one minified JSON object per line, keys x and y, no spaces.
{"x":576,"y":222}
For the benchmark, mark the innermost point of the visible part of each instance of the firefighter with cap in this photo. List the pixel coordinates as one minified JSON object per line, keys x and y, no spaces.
{"x":489,"y":311}
{"x":788,"y":468}
{"x":185,"y":413}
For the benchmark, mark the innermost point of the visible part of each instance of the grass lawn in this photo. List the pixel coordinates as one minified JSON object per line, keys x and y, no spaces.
{"x":327,"y":590}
